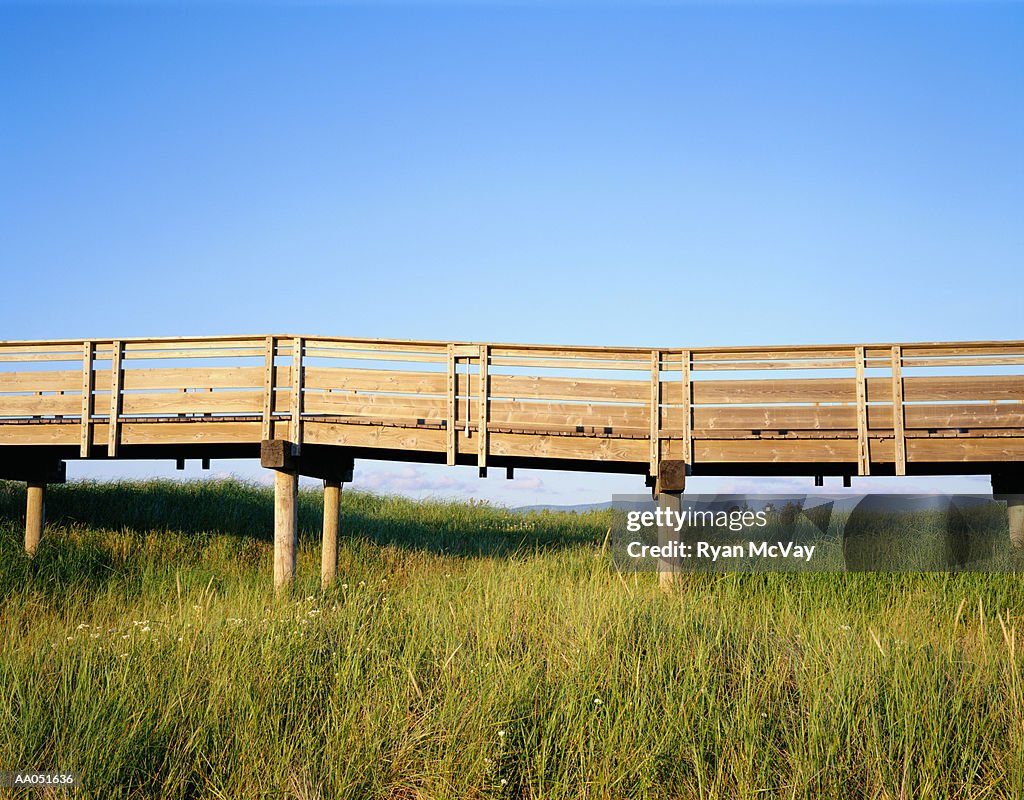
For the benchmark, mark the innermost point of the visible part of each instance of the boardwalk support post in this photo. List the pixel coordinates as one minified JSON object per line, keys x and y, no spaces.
{"x":277,"y":455}
{"x":669,"y":486}
{"x":313,"y":462}
{"x":329,"y":546}
{"x":334,"y":474}
{"x":35,"y":515}
{"x":286,"y":527}
{"x":1009,"y":487}
{"x":36,"y":474}
{"x":668,"y":568}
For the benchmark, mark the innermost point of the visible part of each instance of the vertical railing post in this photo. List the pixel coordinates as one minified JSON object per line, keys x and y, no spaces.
{"x":116,"y":391}
{"x":687,"y":410}
{"x":863,"y":446}
{"x":898,"y":412}
{"x":655,"y":412}
{"x":296,"y":405}
{"x":483,"y":413}
{"x":85,"y":442}
{"x":452,"y":387}
{"x":268,"y":388}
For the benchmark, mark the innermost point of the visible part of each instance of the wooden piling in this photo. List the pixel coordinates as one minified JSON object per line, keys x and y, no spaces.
{"x":286,"y":527}
{"x":35,"y":516}
{"x":668,"y":568}
{"x":329,"y":545}
{"x":1010,"y":488}
{"x":1015,"y":517}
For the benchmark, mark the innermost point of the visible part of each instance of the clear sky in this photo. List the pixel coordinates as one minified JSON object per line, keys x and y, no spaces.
{"x":607,"y":173}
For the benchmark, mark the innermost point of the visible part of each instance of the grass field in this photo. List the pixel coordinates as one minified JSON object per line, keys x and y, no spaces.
{"x":474,"y":652}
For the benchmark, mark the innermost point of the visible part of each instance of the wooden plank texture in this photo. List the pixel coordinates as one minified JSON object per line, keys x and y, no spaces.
{"x":43,"y":381}
{"x":451,"y":408}
{"x":687,"y":411}
{"x":267,"y":400}
{"x":483,"y":409}
{"x":654,"y":413}
{"x":295,"y":399}
{"x":634,"y":406}
{"x":86,"y":398}
{"x":201,"y":378}
{"x":863,"y":459}
{"x":898,"y":411}
{"x":116,"y":395}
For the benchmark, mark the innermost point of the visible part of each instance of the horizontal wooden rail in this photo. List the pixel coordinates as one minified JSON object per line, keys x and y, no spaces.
{"x":894,"y":406}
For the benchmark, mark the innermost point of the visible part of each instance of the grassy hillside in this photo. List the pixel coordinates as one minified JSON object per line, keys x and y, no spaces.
{"x":469,"y":651}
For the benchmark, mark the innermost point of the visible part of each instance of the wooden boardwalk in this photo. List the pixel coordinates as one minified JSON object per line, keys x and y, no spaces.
{"x":310,"y":405}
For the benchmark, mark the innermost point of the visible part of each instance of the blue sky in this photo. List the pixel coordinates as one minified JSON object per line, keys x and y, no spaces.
{"x":663,"y":174}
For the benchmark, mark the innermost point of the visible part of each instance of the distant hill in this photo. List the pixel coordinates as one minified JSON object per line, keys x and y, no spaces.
{"x":576,"y":509}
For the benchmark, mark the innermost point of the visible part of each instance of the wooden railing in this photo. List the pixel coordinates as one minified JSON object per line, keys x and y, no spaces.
{"x":863,"y":404}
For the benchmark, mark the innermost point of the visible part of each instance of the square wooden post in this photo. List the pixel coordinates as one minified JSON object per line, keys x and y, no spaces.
{"x":668,"y":488}
{"x":668,"y":568}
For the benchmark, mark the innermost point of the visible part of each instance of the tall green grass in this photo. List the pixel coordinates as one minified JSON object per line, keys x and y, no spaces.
{"x":474,"y":652}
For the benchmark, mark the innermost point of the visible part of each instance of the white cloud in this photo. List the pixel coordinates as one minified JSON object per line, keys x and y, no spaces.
{"x":532,"y":484}
{"x":410,"y":480}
